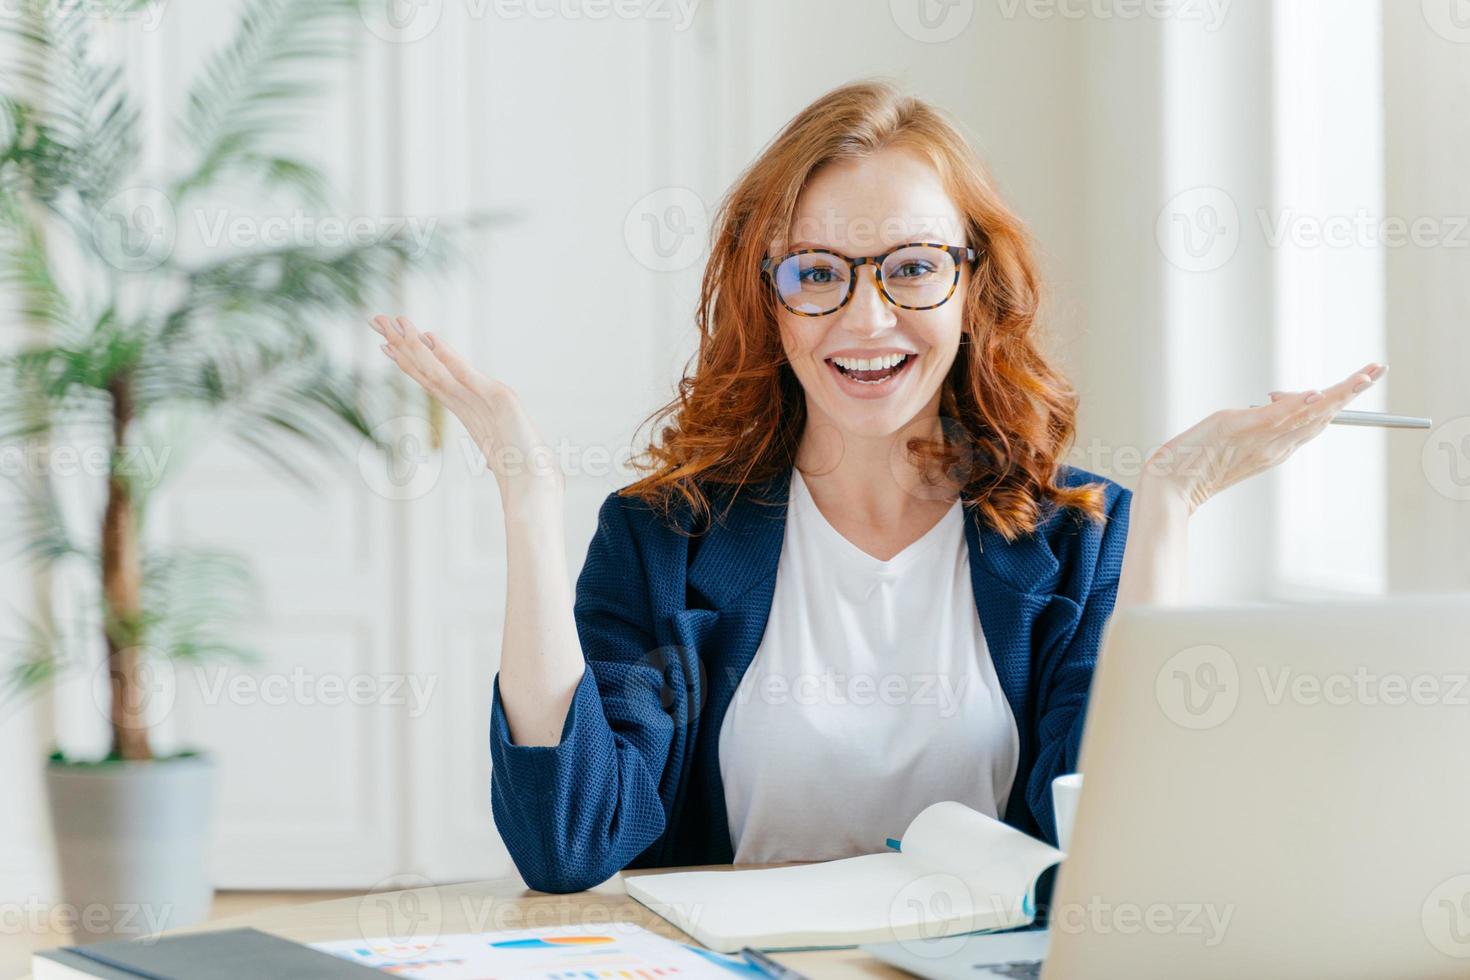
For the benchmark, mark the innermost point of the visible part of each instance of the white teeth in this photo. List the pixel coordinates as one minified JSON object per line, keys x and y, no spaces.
{"x":870,"y":363}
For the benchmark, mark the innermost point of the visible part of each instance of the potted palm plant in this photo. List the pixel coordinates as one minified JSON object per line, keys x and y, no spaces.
{"x":124,"y":334}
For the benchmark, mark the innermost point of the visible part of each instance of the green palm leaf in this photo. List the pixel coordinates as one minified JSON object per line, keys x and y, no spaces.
{"x":84,"y":137}
{"x":37,"y":656}
{"x":256,"y":86}
{"x":195,"y":600}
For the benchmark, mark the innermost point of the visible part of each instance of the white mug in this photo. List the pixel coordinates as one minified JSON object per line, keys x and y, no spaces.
{"x":1065,"y":791}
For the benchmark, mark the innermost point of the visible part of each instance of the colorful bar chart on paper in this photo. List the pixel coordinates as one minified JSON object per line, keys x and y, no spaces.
{"x":607,"y":951}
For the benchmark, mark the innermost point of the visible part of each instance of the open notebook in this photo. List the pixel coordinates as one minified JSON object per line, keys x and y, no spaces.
{"x":958,"y":871}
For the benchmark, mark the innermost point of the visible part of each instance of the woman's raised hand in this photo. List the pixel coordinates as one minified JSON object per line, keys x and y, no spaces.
{"x":492,"y":414}
{"x":1236,"y":443}
{"x":541,"y":661}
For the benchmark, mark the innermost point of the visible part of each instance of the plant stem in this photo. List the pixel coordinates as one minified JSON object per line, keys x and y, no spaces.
{"x":122,"y":583}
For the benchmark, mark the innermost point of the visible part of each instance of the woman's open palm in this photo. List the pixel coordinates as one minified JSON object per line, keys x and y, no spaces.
{"x":1236,"y":443}
{"x":490,"y":410}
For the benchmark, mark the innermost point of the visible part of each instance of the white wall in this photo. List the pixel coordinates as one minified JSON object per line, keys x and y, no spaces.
{"x":1330,"y":288}
{"x":1427,"y":100}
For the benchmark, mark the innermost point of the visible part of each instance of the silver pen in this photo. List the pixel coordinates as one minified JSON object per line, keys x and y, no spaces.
{"x":768,"y":966}
{"x":1378,"y":418}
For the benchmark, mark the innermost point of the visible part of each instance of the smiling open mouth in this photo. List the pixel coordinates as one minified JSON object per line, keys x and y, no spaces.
{"x":871,"y":371}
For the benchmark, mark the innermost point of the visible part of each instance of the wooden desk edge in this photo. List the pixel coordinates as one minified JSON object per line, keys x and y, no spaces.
{"x":506,"y":903}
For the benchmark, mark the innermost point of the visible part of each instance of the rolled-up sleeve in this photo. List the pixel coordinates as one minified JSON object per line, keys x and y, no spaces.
{"x":574,"y":814}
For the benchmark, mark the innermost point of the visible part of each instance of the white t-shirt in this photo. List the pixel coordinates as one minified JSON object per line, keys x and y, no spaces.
{"x":871,"y":696}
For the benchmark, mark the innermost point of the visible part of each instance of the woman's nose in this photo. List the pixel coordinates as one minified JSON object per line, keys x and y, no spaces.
{"x":867,"y":311}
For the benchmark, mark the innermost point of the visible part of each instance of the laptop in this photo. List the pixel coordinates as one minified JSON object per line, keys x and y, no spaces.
{"x":1270,"y":791}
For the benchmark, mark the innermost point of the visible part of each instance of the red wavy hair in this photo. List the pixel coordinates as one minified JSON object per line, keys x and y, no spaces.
{"x":738,"y":416}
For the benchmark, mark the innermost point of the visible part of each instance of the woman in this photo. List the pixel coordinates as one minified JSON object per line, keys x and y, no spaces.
{"x":858,"y":577}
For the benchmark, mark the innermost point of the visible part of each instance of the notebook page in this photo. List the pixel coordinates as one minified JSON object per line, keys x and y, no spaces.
{"x":870,"y":898}
{"x":996,"y":861}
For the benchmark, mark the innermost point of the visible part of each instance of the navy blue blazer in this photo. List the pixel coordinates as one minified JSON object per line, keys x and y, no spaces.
{"x":669,"y":622}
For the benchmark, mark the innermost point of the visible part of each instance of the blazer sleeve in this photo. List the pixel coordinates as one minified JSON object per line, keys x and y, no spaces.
{"x":574,"y":814}
{"x":1067,"y":677}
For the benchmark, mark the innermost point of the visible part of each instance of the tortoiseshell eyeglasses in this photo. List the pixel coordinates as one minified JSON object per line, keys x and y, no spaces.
{"x":912,"y":276}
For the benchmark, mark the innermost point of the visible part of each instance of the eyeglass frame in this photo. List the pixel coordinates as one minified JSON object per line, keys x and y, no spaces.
{"x":960,"y":254}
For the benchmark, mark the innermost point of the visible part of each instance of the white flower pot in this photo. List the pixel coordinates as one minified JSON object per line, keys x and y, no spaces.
{"x":132,"y":844}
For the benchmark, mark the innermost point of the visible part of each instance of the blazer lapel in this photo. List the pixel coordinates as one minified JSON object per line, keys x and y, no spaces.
{"x":1013,"y":582}
{"x":731,"y":584}
{"x":743,"y":546}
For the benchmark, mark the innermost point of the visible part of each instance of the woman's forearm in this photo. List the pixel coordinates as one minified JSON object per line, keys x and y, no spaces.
{"x":541,"y":659}
{"x":1155,"y":556}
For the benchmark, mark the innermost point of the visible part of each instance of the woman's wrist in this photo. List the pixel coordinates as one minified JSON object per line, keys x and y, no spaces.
{"x":1163,"y":496}
{"x":1154,"y":558}
{"x":532,"y":502}
{"x":1168,"y":490}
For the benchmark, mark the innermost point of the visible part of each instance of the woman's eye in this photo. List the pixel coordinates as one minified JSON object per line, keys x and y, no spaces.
{"x":819,"y":276}
{"x":913,"y":269}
